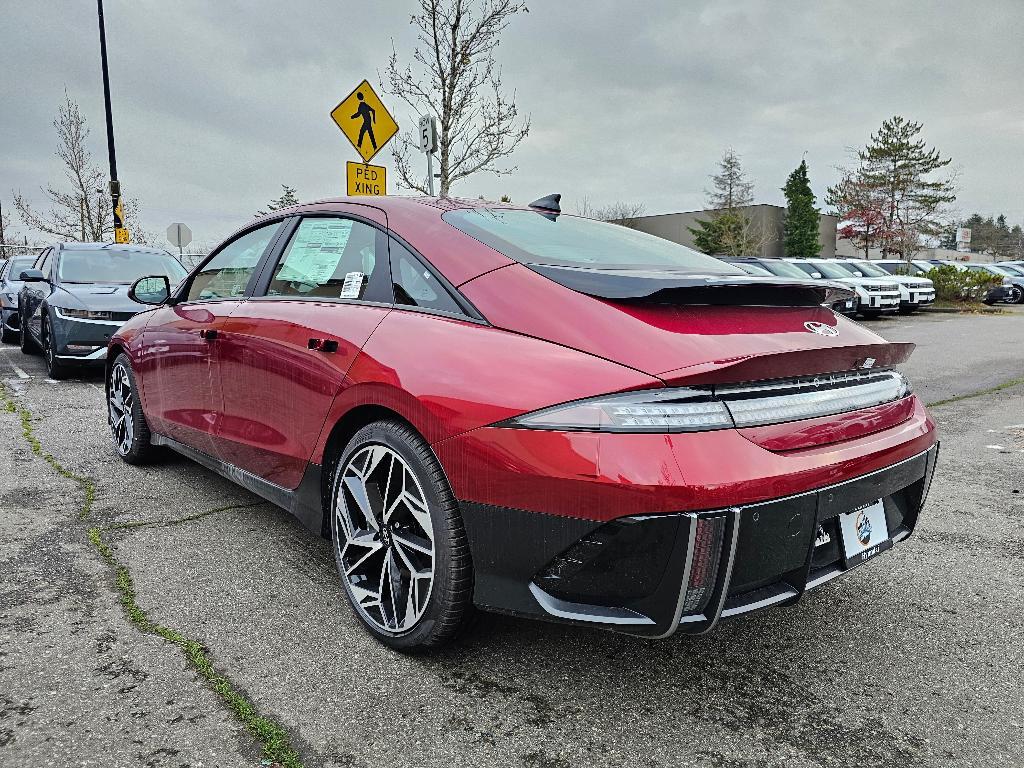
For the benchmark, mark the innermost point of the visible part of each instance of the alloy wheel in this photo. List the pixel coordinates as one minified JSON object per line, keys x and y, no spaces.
{"x":386,"y":539}
{"x":120,"y":401}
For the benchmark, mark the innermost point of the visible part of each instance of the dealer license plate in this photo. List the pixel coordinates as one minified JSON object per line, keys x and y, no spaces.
{"x":865,"y":533}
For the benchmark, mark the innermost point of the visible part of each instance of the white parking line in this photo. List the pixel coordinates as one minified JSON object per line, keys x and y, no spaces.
{"x":17,"y":370}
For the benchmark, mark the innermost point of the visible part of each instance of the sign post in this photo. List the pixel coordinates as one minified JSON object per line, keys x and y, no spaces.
{"x":180,"y":235}
{"x":428,"y":145}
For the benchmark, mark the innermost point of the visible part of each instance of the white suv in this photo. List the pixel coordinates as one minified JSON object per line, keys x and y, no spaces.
{"x":876,"y":295}
{"x":915,"y":292}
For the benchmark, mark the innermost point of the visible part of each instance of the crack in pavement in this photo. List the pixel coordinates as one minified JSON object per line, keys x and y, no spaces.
{"x":273,"y":738}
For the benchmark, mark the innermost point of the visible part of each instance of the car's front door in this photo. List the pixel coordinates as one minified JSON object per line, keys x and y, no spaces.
{"x":286,"y":350}
{"x":180,"y":382}
{"x":34,"y":293}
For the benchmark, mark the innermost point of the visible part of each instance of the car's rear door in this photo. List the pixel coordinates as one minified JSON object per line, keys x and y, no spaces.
{"x":285,"y":350}
{"x":180,"y":383}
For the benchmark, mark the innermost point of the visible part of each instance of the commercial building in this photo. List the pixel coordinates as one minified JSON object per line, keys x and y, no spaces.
{"x":767,"y":220}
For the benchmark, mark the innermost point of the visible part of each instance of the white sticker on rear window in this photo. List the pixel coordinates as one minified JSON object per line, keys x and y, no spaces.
{"x":352,"y":288}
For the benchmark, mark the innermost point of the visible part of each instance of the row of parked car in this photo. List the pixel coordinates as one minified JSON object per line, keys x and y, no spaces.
{"x":889,"y":285}
{"x":68,"y":300}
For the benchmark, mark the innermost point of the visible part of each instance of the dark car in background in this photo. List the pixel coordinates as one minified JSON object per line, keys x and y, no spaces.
{"x":1013,"y":283}
{"x":10,"y":287}
{"x":75,"y":295}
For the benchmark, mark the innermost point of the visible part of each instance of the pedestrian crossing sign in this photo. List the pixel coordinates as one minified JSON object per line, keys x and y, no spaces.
{"x":365,"y":121}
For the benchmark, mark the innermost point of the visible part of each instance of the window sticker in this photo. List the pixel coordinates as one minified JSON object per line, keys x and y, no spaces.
{"x":352,"y":288}
{"x":316,"y":250}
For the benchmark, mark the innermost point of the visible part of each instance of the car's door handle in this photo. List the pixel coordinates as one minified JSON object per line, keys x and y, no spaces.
{"x":323,"y":345}
{"x":208,"y":333}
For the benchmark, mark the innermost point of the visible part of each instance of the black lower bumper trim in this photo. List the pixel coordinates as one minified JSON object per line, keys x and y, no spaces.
{"x":636,"y":574}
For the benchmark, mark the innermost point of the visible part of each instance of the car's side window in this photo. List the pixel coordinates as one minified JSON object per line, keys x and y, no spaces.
{"x":43,"y":265}
{"x":226,"y":275}
{"x":415,"y":285}
{"x":331,"y":257}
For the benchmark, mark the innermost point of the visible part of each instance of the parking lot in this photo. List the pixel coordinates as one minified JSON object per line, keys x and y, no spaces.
{"x":117,"y":583}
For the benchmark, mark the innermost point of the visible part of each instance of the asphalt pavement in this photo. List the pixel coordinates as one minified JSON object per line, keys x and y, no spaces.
{"x":195,"y":609}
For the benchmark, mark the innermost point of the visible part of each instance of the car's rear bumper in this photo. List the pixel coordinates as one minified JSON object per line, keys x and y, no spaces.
{"x":653,"y":575}
{"x":530,"y":497}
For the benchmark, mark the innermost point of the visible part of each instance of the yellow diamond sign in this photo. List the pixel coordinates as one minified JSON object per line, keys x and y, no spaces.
{"x":365,"y":121}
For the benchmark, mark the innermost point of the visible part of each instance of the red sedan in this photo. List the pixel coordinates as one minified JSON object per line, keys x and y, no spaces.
{"x":524,"y":411}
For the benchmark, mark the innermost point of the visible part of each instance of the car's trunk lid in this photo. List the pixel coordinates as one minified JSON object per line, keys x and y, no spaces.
{"x":673,"y":329}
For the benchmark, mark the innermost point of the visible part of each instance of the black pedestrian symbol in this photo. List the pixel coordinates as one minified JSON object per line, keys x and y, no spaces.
{"x":369,"y":117}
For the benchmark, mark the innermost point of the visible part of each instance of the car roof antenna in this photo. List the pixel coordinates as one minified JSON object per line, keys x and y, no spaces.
{"x":548,"y":203}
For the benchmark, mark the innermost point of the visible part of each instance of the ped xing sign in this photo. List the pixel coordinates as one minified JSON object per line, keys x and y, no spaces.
{"x":366,"y":179}
{"x":365,"y":121}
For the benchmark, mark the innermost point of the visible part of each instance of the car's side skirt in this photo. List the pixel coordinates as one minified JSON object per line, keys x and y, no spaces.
{"x":304,"y":501}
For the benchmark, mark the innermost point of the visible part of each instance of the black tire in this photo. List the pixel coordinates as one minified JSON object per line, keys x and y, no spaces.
{"x":1017,"y":297}
{"x":28,"y":346}
{"x":55,"y":369}
{"x":7,"y":335}
{"x":132,"y":438}
{"x":871,"y":314}
{"x":446,"y":611}
{"x":909,"y":310}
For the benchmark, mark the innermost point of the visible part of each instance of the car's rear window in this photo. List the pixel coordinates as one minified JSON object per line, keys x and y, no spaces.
{"x":532,"y":237}
{"x":102,"y":265}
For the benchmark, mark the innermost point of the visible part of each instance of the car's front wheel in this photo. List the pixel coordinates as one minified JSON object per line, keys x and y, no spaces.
{"x":128,"y":424}
{"x":27,"y":346}
{"x":399,"y":540}
{"x":55,"y":369}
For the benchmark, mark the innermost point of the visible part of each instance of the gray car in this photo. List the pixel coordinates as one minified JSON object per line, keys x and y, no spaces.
{"x":10,"y":287}
{"x":75,"y":296}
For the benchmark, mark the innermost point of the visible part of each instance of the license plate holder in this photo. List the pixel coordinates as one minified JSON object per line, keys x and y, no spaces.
{"x":865,"y":533}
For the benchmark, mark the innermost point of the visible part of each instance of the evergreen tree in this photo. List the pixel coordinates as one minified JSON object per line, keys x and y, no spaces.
{"x":286,"y":200}
{"x":902,"y":169}
{"x":729,"y":231}
{"x":801,"y":226}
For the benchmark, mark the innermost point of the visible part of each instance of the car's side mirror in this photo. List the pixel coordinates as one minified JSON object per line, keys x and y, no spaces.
{"x":816,"y":275}
{"x":152,"y":290}
{"x":32,"y":276}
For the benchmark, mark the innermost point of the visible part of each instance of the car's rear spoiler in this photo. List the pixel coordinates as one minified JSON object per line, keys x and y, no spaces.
{"x":665,"y":287}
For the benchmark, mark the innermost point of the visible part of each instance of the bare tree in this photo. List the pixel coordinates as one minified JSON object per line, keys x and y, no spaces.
{"x":623,"y":213}
{"x":457,"y":79}
{"x":79,"y":210}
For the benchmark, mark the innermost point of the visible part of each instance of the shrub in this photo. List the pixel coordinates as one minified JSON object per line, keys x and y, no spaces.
{"x":953,"y":284}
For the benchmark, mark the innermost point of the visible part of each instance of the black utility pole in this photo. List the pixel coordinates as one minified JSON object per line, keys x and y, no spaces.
{"x":115,"y":186}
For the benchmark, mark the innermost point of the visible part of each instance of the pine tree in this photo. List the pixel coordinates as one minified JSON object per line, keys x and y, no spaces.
{"x":729,"y":231}
{"x":901,"y":168}
{"x":286,"y":200}
{"x":801,"y":226}
{"x":731,"y":190}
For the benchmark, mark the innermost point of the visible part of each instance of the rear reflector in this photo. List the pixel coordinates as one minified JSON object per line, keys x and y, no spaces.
{"x":707,"y":551}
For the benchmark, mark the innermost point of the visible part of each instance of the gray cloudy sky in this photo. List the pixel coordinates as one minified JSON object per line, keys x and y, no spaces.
{"x":218,"y":103}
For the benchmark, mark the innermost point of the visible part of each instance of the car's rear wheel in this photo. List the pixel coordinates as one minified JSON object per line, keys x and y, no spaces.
{"x":1016,"y":296}
{"x":55,"y":369}
{"x":399,"y":540}
{"x":128,"y":424}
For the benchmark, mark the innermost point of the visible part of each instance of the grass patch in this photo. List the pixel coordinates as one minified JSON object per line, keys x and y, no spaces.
{"x":270,"y":734}
{"x":28,"y":432}
{"x":989,"y":391}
